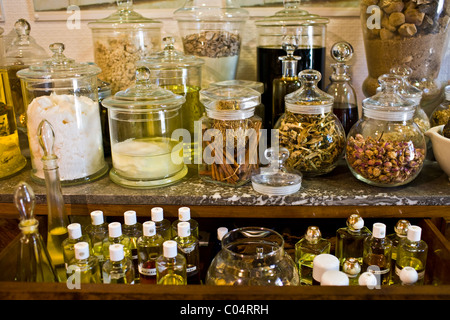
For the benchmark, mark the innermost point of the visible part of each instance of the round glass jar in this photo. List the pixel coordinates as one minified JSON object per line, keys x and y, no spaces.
{"x":230,"y":134}
{"x":143,"y":120}
{"x":64,"y":93}
{"x":386,"y":148}
{"x":310,"y":130}
{"x":441,"y":114}
{"x":120,"y":41}
{"x":252,"y":256}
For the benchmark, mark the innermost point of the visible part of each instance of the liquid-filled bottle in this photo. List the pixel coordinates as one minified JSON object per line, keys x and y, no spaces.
{"x":84,"y":267}
{"x":171,"y":266}
{"x":115,"y":236}
{"x":184,"y":214}
{"x":188,"y":246}
{"x":133,"y":229}
{"x":163,"y":226}
{"x":118,"y":268}
{"x":149,"y":249}
{"x":68,"y":245}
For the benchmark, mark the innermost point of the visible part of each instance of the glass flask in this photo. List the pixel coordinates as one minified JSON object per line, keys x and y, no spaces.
{"x":149,"y":249}
{"x":310,"y":130}
{"x":252,"y":256}
{"x":33,"y":260}
{"x":213,"y":31}
{"x":441,"y":114}
{"x":171,"y":265}
{"x":230,"y":135}
{"x":120,"y":41}
{"x":386,"y":148}
{"x":85,"y":266}
{"x":22,"y":52}
{"x":182,"y":74}
{"x":345,"y":105}
{"x":145,"y":123}
{"x":64,"y":93}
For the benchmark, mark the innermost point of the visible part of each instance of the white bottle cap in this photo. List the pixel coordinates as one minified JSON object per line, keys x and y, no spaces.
{"x":97,"y":217}
{"x":414,"y":233}
{"x":334,"y":278}
{"x":221,"y":232}
{"x":170,"y":249}
{"x":114,"y":229}
{"x":74,"y":230}
{"x":184,"y":229}
{"x":149,"y":228}
{"x":130,"y":217}
{"x":322,"y":263}
{"x":157,"y":214}
{"x":184,"y":214}
{"x":81,"y":250}
{"x":116,"y":252}
{"x":379,"y":230}
{"x":367,"y":279}
{"x":408,"y":276}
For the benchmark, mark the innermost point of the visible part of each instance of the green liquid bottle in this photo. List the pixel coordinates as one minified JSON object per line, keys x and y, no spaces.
{"x":118,"y":268}
{"x":115,"y":236}
{"x":68,"y":245}
{"x":149,"y":247}
{"x":171,"y":266}
{"x":84,"y":267}
{"x":188,"y":246}
{"x":311,"y":245}
{"x":163,"y":226}
{"x":412,"y":252}
{"x":401,"y":230}
{"x":97,"y":232}
{"x":184,"y":215}
{"x":133,"y":230}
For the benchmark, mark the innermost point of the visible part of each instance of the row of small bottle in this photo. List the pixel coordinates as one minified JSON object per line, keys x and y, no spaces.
{"x":362,"y":255}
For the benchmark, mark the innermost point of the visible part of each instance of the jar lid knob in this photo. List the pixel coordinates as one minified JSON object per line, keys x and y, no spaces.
{"x":57,"y":48}
{"x":276,"y":159}
{"x":142,"y":75}
{"x":342,"y":51}
{"x":310,"y":76}
{"x":22,"y":27}
{"x":402,"y":71}
{"x":169,"y":42}
{"x":25,"y":200}
{"x":124,"y":4}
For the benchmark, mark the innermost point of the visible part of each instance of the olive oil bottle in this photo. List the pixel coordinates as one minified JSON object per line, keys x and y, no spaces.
{"x":115,"y":236}
{"x":85,"y":266}
{"x":149,"y":247}
{"x":68,"y":245}
{"x":118,"y":268}
{"x":163,"y":226}
{"x":188,"y":246}
{"x":133,"y":230}
{"x":184,"y":214}
{"x":401,"y":230}
{"x":171,"y":266}
{"x":97,"y":232}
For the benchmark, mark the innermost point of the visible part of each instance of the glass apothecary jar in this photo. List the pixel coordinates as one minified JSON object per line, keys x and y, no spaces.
{"x":386,"y":148}
{"x":310,"y":130}
{"x":213,"y":30}
{"x":441,"y":114}
{"x":230,"y":134}
{"x":252,"y":256}
{"x":120,"y":41}
{"x":145,"y":148}
{"x":64,"y":92}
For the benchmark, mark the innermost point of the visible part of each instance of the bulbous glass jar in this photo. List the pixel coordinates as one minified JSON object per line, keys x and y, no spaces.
{"x":252,"y":256}
{"x":310,"y":130}
{"x":386,"y":148}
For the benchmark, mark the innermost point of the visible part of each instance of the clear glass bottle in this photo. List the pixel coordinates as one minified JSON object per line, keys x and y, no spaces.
{"x":74,"y":236}
{"x":97,"y":232}
{"x":149,"y":247}
{"x":217,"y":244}
{"x":441,"y":114}
{"x":133,"y":229}
{"x":188,"y":246}
{"x":412,"y":252}
{"x":288,"y":82}
{"x":118,"y":268}
{"x":377,"y":254}
{"x":352,"y":268}
{"x":184,"y":215}
{"x":317,"y":150}
{"x":345,"y":105}
{"x":171,"y":266}
{"x":85,"y":266}
{"x":33,"y":260}
{"x":115,"y":236}
{"x":306,"y":249}
{"x":385,"y":148}
{"x":350,"y":239}
{"x":163,"y":226}
{"x":322,"y":263}
{"x":400,"y":232}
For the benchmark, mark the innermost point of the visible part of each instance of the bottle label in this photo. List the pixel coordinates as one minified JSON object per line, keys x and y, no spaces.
{"x":191,"y":269}
{"x":187,"y":250}
{"x":147,"y":271}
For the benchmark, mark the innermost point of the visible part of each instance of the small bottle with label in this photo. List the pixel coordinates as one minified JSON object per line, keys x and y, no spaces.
{"x":311,"y":245}
{"x":85,"y":265}
{"x":352,"y":269}
{"x":75,"y":236}
{"x":377,"y":254}
{"x":149,"y":249}
{"x":188,"y":246}
{"x":401,"y":230}
{"x":171,"y":266}
{"x":163,"y":226}
{"x":115,"y":236}
{"x":350,"y":240}
{"x":118,"y":268}
{"x":412,"y":252}
{"x":184,"y":214}
{"x":133,"y":230}
{"x":97,"y":232}
{"x":321,"y":264}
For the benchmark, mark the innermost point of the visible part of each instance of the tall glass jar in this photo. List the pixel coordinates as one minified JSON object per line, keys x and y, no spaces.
{"x":145,"y":148}
{"x":213,"y":30}
{"x":230,"y":134}
{"x":386,"y":148}
{"x":64,"y":93}
{"x":121,"y":40}
{"x":310,"y":130}
{"x":252,"y":256}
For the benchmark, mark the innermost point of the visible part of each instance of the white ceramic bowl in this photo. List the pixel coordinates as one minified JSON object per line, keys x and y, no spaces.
{"x":441,"y":147}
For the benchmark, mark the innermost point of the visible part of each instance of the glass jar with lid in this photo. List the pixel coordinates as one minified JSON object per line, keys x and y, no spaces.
{"x":212,"y":30}
{"x":122,"y":39}
{"x":64,"y":92}
{"x":310,"y":130}
{"x":145,"y":147}
{"x":230,"y":134}
{"x":386,"y":148}
{"x":20,"y":54}
{"x":441,"y":114}
{"x":252,"y":256}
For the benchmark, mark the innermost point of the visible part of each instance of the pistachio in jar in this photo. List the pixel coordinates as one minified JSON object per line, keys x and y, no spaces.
{"x":309,"y":129}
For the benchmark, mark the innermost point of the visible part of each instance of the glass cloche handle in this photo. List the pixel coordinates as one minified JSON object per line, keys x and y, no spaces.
{"x":342,"y":52}
{"x":276,"y":157}
{"x":46,"y":137}
{"x":22,"y":27}
{"x":24,"y":200}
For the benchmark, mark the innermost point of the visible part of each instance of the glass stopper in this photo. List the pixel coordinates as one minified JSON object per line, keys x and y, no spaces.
{"x":57,"y":48}
{"x":46,"y":137}
{"x":22,"y":27}
{"x":25,"y":200}
{"x":401,"y":227}
{"x":310,"y":76}
{"x":290,"y":44}
{"x":342,"y":52}
{"x":355,"y":222}
{"x":351,"y":267}
{"x":313,"y":234}
{"x":142,"y":75}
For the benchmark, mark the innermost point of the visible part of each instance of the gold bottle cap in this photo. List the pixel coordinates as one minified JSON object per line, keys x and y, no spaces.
{"x":355,"y":222}
{"x":313,"y":234}
{"x":401,"y":228}
{"x":351,"y":267}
